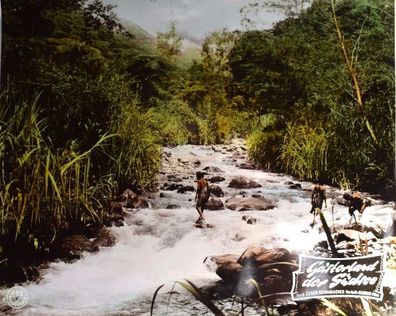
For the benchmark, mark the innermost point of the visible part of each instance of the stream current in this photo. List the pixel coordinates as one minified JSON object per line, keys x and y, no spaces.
{"x":159,"y":245}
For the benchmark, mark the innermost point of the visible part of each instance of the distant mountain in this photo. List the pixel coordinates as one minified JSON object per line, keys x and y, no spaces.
{"x":142,"y":37}
{"x":190,"y":48}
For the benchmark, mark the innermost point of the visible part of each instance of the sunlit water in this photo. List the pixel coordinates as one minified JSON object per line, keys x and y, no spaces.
{"x":159,"y":246}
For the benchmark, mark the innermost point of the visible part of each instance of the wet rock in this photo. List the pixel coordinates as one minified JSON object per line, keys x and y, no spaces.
{"x":73,"y":246}
{"x":252,"y":221}
{"x":322,"y":245}
{"x":375,"y":229}
{"x":174,"y":178}
{"x":341,"y":201}
{"x":215,"y":204}
{"x":264,"y":265}
{"x":243,"y":183}
{"x":249,"y":219}
{"x":353,"y":235}
{"x":289,"y":182}
{"x":137,"y":202}
{"x":131,"y":199}
{"x":171,"y":186}
{"x":172,"y":207}
{"x":247,"y":166}
{"x":213,"y":169}
{"x":163,"y":195}
{"x":274,"y":255}
{"x":187,"y":188}
{"x":216,"y":179}
{"x":128,"y":194}
{"x":105,"y":239}
{"x":249,"y":203}
{"x":216,"y":190}
{"x":226,"y":267}
{"x":295,"y":186}
{"x":118,"y":223}
{"x":197,"y":163}
{"x":250,"y":254}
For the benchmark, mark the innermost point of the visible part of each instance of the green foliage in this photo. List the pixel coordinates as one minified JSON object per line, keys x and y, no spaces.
{"x":299,"y":71}
{"x":44,"y":187}
{"x":169,"y":43}
{"x":304,"y":150}
{"x":177,"y":123}
{"x":136,"y":148}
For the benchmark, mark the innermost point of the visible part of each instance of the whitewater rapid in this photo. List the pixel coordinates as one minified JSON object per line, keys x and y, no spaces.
{"x":159,"y":246}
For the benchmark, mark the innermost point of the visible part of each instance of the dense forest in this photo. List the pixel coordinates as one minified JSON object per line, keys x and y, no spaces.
{"x":88,"y":101}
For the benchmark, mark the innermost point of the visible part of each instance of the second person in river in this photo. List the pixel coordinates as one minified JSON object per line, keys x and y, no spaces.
{"x":317,"y":198}
{"x":202,"y":195}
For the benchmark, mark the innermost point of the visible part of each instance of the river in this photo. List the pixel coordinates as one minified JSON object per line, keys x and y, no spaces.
{"x":159,"y":246}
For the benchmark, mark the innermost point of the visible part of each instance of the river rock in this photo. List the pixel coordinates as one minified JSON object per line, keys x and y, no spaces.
{"x":250,"y":254}
{"x":353,"y":235}
{"x":216,"y":190}
{"x":128,"y":194}
{"x":249,"y":219}
{"x":105,"y":239}
{"x":137,"y":202}
{"x":213,"y":169}
{"x":73,"y":246}
{"x":215,"y":204}
{"x":174,"y":178}
{"x":373,"y":228}
{"x":341,"y":201}
{"x":186,"y":188}
{"x":171,"y":186}
{"x":226,"y":267}
{"x":249,"y":203}
{"x":247,"y":166}
{"x":266,"y":266}
{"x":172,"y":207}
{"x":216,"y":179}
{"x":295,"y":186}
{"x":243,"y":183}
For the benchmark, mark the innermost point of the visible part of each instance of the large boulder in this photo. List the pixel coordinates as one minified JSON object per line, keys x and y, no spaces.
{"x":215,"y":204}
{"x":250,"y":254}
{"x":271,"y":268}
{"x":243,"y":183}
{"x":225,"y":266}
{"x":249,"y":203}
{"x":216,"y":190}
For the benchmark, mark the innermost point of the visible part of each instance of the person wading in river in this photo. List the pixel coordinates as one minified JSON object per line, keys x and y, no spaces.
{"x":202,"y":195}
{"x":317,"y":198}
{"x":357,"y":202}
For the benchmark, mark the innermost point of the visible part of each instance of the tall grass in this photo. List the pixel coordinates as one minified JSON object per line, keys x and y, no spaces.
{"x":304,"y":150}
{"x":136,"y":147}
{"x":44,"y":188}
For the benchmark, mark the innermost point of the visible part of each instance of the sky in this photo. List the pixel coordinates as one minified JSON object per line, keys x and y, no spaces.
{"x":194,"y":18}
